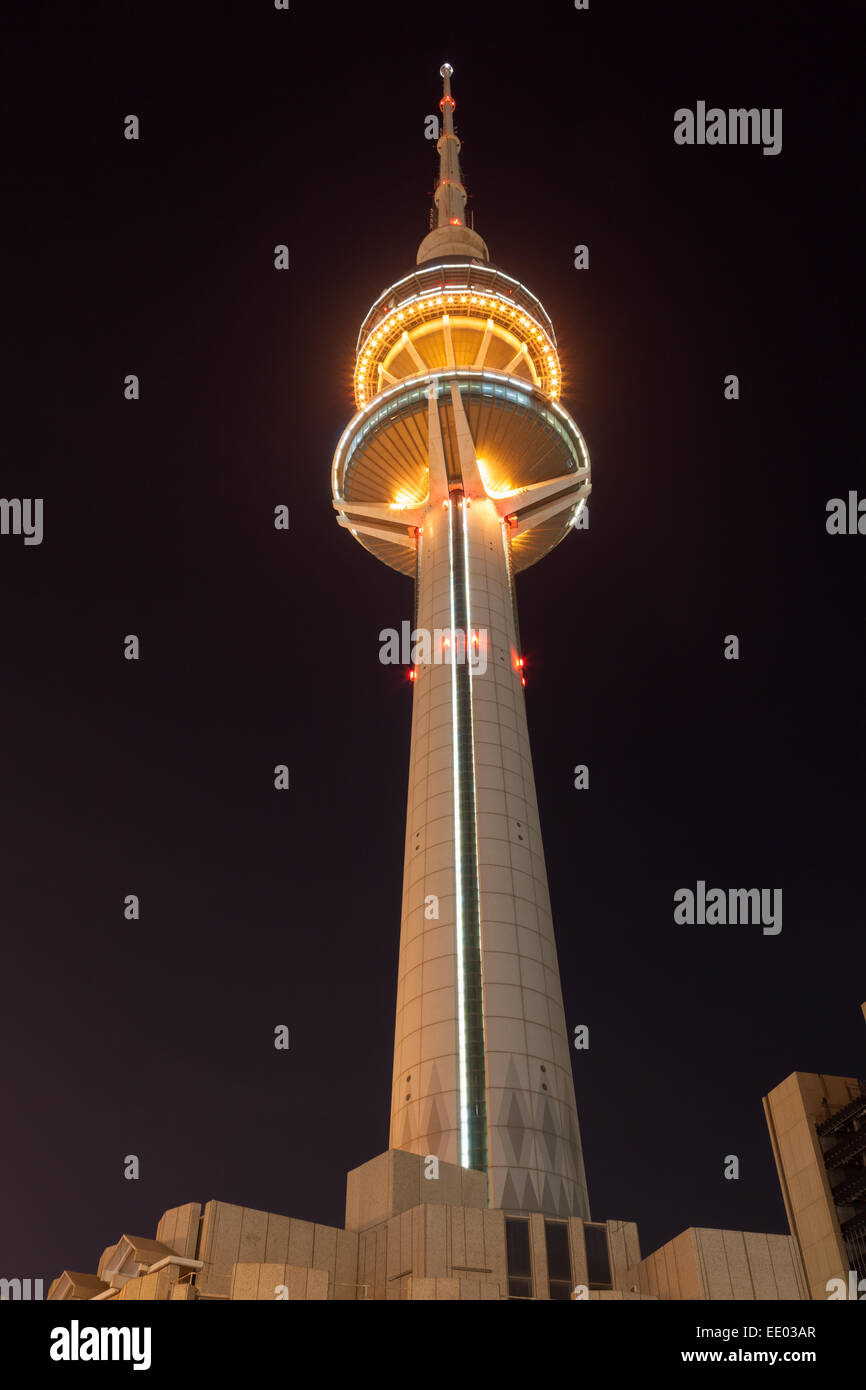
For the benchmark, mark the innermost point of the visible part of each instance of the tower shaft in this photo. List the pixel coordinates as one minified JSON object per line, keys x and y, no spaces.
{"x":482,"y":1070}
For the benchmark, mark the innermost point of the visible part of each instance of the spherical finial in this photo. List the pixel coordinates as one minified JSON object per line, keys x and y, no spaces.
{"x":446,"y":70}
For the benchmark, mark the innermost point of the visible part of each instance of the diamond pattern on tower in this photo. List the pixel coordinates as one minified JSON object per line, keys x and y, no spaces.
{"x":548,"y":1201}
{"x":513,"y":1123}
{"x":406,"y":1136}
{"x":434,"y":1128}
{"x":530,"y":1198}
{"x":572,"y":1156}
{"x":564,"y":1208}
{"x":549,"y":1133}
{"x":509,"y":1200}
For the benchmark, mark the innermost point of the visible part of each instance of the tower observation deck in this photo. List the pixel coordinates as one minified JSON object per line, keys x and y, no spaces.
{"x":461,"y":468}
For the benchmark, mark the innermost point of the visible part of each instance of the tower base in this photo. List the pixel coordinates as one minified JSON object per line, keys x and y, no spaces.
{"x":417,"y":1230}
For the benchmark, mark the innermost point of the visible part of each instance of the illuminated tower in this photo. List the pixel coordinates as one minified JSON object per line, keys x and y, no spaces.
{"x":460,"y":469}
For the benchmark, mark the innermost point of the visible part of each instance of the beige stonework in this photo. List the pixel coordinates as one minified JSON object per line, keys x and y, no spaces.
{"x":449,"y":1245}
{"x":452,"y":1290}
{"x":619,"y":1296}
{"x":793,"y":1110}
{"x":178,"y":1228}
{"x":149,"y":1287}
{"x":709,"y":1264}
{"x":395,"y":1182}
{"x":73,"y":1286}
{"x":426,"y":1251}
{"x":271,"y":1282}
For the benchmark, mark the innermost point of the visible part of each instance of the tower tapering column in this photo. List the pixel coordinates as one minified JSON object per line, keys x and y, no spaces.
{"x":461,"y":468}
{"x":482,"y":1069}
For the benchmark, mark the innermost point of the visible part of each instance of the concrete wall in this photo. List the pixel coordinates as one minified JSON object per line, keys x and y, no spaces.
{"x":453,"y":1290}
{"x":431,"y":1242}
{"x":791,"y":1111}
{"x":239,"y":1235}
{"x":178,"y":1229}
{"x":260,"y":1282}
{"x":150,"y":1288}
{"x":707,"y":1264}
{"x":395,"y":1182}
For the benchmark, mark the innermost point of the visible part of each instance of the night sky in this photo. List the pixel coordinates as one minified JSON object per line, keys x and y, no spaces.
{"x":260,"y":647}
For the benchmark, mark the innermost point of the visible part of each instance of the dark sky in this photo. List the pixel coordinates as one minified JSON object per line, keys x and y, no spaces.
{"x":260,"y":647}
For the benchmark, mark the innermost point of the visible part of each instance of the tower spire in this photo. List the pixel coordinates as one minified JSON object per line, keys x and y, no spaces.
{"x":450,"y":195}
{"x":450,"y":236}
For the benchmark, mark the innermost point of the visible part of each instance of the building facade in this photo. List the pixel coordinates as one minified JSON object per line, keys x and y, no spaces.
{"x":415,"y":1234}
{"x":817,"y":1129}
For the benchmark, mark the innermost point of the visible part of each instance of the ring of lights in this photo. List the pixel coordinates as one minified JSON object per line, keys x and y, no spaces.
{"x":438,"y":317}
{"x":435,"y":330}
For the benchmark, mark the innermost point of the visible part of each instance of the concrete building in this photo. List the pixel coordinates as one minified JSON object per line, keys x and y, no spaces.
{"x":817,"y":1128}
{"x":415,"y":1233}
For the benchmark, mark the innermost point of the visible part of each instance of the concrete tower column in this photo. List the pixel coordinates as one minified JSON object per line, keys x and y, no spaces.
{"x":482,"y":1070}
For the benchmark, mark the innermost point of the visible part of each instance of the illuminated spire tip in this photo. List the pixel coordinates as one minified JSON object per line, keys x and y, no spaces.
{"x":450,"y":236}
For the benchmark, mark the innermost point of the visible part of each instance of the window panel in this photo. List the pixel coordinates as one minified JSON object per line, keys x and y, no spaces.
{"x":597,"y":1257}
{"x":518,"y":1258}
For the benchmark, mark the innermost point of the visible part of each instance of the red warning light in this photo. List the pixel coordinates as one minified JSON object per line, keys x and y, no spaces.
{"x":455,"y":221}
{"x":412,"y":674}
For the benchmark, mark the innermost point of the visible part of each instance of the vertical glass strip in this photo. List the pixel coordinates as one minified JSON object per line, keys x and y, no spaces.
{"x":471,"y":1043}
{"x":509,"y":565}
{"x":418,"y":540}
